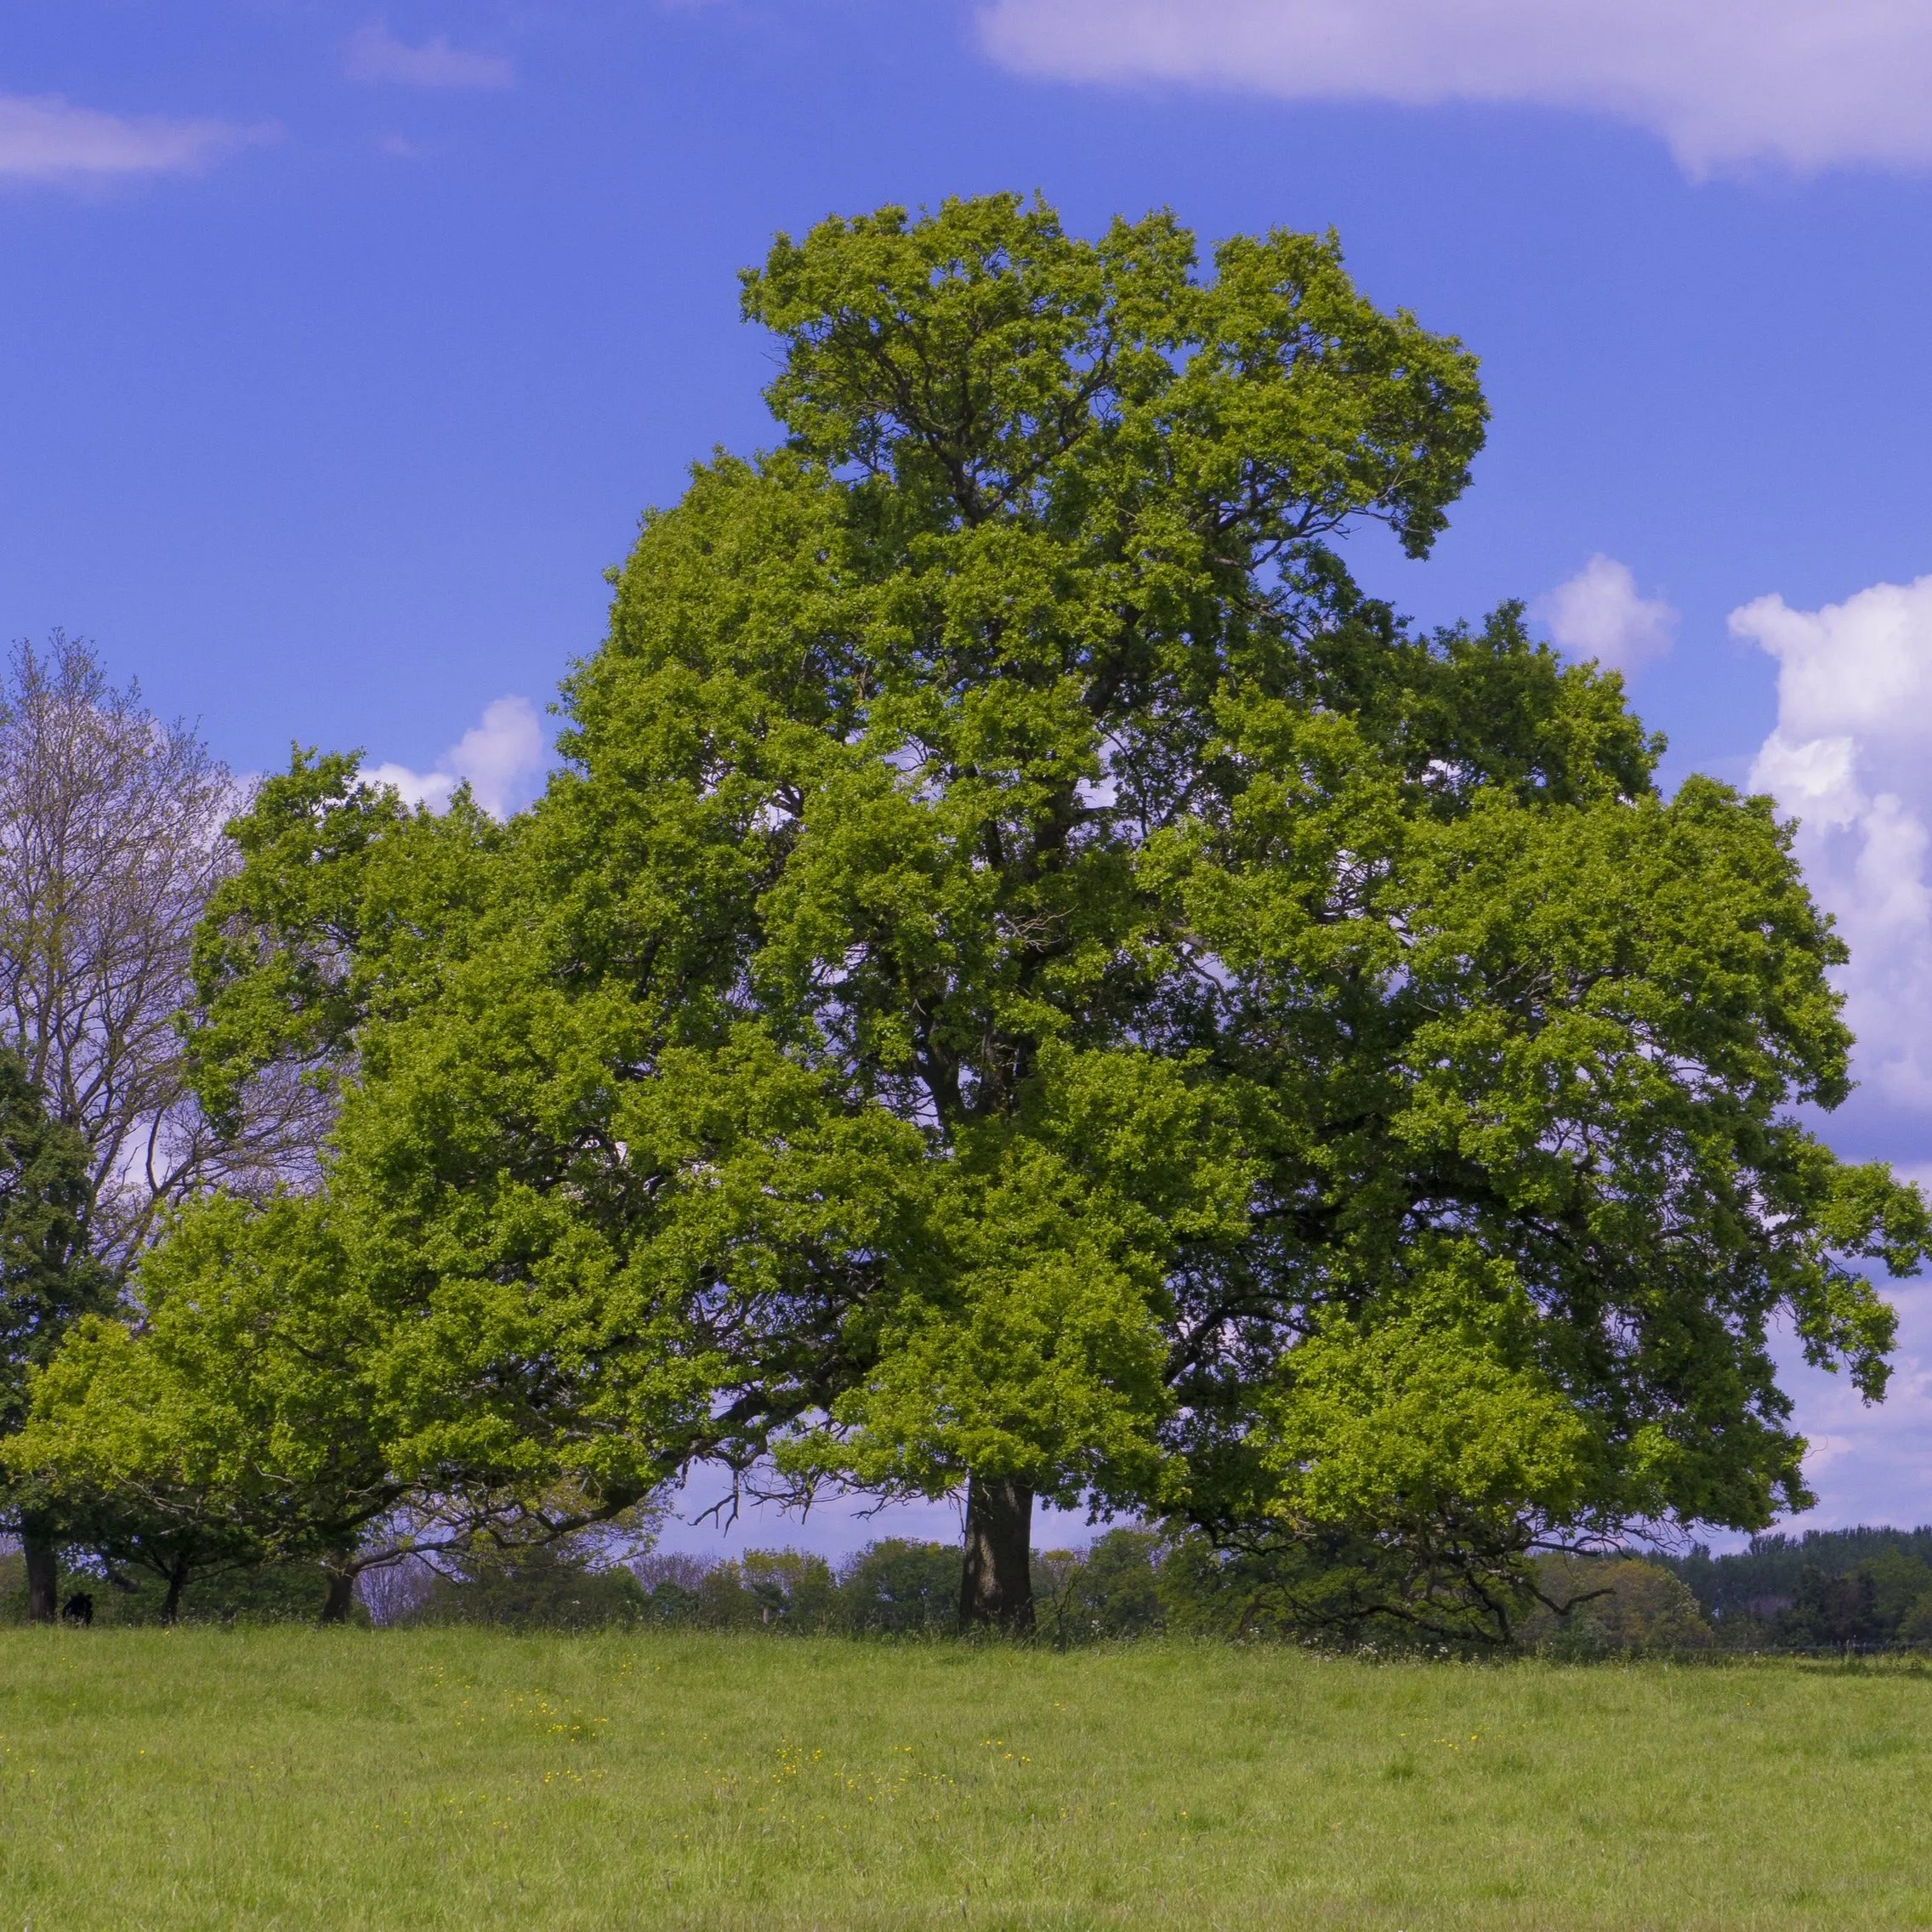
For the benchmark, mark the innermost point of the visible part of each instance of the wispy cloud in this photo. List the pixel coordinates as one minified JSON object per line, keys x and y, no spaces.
{"x":43,"y":138}
{"x":376,"y":55}
{"x":502,"y":759}
{"x":1809,"y":84}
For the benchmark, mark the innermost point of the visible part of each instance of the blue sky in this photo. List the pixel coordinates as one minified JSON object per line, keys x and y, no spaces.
{"x":342,"y":346}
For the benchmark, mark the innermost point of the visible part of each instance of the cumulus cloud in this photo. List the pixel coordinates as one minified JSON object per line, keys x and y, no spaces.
{"x":1808,"y":83}
{"x":1851,"y":759}
{"x":501,"y":758}
{"x":1599,"y":613}
{"x":43,"y":138}
{"x":375,"y":55}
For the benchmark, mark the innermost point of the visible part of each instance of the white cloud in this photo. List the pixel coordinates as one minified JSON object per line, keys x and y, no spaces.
{"x":1598,"y":614}
{"x":43,"y":138}
{"x":502,"y":758}
{"x":375,"y":55}
{"x":1851,"y":759}
{"x":1809,"y":84}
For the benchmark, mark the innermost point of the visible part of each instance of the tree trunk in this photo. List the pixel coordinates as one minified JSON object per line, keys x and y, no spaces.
{"x":337,"y":1605}
{"x":997,"y":1590}
{"x":43,"y":1571}
{"x":177,"y":1581}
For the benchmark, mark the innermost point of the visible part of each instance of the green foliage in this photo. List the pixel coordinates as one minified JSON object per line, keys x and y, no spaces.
{"x":1030,"y":975}
{"x":233,"y":1424}
{"x":1110,"y":1589}
{"x":894,"y":1587}
{"x":344,"y":898}
{"x":1782,"y":1589}
{"x":902,"y":1588}
{"x":1440,"y":1418}
{"x":48,"y":1280}
{"x":1900,"y":1582}
{"x":781,"y":1591}
{"x":794,"y":1590}
{"x":1333,"y":1586}
{"x":980,"y":362}
{"x":1833,"y":1612}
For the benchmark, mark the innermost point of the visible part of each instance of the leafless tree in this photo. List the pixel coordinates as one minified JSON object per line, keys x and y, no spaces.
{"x":389,"y":1592}
{"x":110,"y":843}
{"x":678,"y":1566}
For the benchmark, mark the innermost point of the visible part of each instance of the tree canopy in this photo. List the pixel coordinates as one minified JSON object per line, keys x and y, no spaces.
{"x":1029,"y":979}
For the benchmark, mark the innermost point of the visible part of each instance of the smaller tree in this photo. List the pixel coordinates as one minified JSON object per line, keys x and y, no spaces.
{"x":1613,"y":1602}
{"x":902,"y":1588}
{"x":249,"y":1417}
{"x":1900,"y":1582}
{"x":232,"y":1426}
{"x":1112,"y":1588}
{"x":111,"y":842}
{"x":48,"y":1281}
{"x":794,"y":1590}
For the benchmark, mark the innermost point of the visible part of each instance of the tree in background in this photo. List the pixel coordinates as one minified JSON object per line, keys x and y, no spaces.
{"x":1032,"y":982}
{"x":1747,"y":1592}
{"x":1613,"y":1603}
{"x":48,"y":1281}
{"x":794,"y":1590}
{"x":902,"y":1588}
{"x":1833,"y":1612}
{"x":110,"y":847}
{"x":552,"y":1586}
{"x":1112,"y":1588}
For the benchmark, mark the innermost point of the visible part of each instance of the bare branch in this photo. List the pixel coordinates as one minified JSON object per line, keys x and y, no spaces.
{"x":110,"y":843}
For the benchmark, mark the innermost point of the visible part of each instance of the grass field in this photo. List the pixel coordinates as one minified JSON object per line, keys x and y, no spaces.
{"x":296,"y":1778}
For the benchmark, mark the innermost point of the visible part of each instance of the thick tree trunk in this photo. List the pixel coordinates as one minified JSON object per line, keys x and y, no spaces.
{"x":997,"y":1591}
{"x":43,"y":1571}
{"x":177,"y":1581}
{"x":341,"y":1599}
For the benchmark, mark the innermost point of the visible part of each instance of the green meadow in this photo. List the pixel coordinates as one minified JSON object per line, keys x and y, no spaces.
{"x":265,"y":1778}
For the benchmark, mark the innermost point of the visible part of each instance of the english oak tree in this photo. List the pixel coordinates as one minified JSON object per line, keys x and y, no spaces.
{"x":1030,"y":982}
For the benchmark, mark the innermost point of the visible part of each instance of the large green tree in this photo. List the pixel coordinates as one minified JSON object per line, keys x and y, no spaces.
{"x":1031,"y":983}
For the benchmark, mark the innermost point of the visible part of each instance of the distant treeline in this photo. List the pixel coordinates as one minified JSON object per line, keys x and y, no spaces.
{"x":1865,"y":1587}
{"x":1130,"y":1581}
{"x":894,"y":1587}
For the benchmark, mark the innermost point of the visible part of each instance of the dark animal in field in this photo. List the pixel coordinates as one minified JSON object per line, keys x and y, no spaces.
{"x":79,"y":1609}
